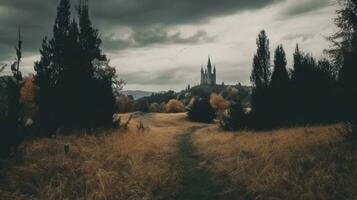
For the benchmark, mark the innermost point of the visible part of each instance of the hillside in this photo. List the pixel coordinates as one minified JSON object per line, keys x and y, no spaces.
{"x":178,"y":159}
{"x":137,"y":94}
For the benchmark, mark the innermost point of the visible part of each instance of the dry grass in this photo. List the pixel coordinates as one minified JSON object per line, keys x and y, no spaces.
{"x":117,"y":165}
{"x":293,"y":163}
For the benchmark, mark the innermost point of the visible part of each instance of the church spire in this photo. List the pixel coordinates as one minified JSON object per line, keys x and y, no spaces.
{"x":209,"y":65}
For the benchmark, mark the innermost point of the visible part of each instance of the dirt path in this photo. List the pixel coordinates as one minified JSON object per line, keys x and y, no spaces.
{"x":196,"y":183}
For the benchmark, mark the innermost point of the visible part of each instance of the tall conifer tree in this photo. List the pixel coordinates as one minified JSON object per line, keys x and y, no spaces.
{"x":279,"y":87}
{"x":260,"y":78}
{"x":344,"y":53}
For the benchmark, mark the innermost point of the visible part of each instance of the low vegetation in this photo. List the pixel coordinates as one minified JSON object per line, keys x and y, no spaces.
{"x":292,"y":163}
{"x":118,"y":164}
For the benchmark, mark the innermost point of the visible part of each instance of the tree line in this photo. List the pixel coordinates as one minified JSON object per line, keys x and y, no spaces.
{"x":73,"y":86}
{"x":310,"y":91}
{"x":313,"y":91}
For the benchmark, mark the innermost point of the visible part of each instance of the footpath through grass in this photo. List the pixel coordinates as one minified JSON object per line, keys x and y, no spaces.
{"x":196,"y":183}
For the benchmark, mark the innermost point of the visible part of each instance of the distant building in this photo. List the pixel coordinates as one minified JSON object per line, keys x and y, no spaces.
{"x":208,"y":77}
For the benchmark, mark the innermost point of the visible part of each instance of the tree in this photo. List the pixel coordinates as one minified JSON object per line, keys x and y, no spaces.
{"x":236,"y":118}
{"x":15,"y":66}
{"x":344,"y":53}
{"x":52,"y":69}
{"x":10,"y":117}
{"x":280,"y":76}
{"x":102,"y":83}
{"x":279,"y":87}
{"x":28,"y":92}
{"x":200,"y":110}
{"x":260,"y":79}
{"x":174,"y":106}
{"x":76,"y":82}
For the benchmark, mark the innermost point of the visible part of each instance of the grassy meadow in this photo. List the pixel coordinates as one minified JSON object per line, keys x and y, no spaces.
{"x":172,"y":153}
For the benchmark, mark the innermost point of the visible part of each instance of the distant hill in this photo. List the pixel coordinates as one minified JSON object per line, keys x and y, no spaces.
{"x":137,"y":94}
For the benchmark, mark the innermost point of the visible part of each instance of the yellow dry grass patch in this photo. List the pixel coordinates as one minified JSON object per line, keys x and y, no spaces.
{"x":293,"y":163}
{"x":115,"y":165}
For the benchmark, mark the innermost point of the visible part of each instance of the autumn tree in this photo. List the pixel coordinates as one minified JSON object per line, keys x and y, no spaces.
{"x":174,"y":106}
{"x":28,"y":99}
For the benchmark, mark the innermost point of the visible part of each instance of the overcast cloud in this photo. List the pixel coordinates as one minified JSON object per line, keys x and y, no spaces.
{"x":161,"y":44}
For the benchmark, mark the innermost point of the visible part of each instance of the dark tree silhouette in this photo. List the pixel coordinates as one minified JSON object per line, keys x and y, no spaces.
{"x":15,"y":66}
{"x":236,"y":118}
{"x":10,"y":117}
{"x":260,"y":78}
{"x":344,"y":53}
{"x":279,"y":87}
{"x":75,"y":79}
{"x":52,"y":68}
{"x":201,"y":110}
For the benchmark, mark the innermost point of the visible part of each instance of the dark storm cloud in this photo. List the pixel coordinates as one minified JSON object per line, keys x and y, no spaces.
{"x":143,"y":12}
{"x":35,"y":17}
{"x":154,"y":35}
{"x":303,"y":6}
{"x":175,"y":75}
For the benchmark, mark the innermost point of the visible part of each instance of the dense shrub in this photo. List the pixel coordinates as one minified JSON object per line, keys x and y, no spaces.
{"x":235,"y":119}
{"x":125,"y":104}
{"x":28,"y":94}
{"x":9,"y":115}
{"x":154,"y":108}
{"x":200,"y":110}
{"x":174,"y":106}
{"x":218,"y":102}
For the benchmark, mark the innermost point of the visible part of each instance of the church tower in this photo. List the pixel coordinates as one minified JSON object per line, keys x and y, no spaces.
{"x":208,"y":76}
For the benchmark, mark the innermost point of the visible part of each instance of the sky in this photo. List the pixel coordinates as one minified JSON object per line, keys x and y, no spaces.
{"x":159,"y":45}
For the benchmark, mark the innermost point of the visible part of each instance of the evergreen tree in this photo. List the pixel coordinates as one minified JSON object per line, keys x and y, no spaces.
{"x":344,"y":53}
{"x":10,"y":119}
{"x":15,"y":67}
{"x":236,"y":118}
{"x":279,"y":87}
{"x":280,"y":76}
{"x":260,"y":80}
{"x":99,"y":78}
{"x":201,"y":110}
{"x":75,"y":79}
{"x":52,"y":69}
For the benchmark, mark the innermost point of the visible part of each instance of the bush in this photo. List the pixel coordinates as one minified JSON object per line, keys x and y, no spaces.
{"x":219,"y":104}
{"x":125,"y":104}
{"x":154,"y":108}
{"x":174,"y":106}
{"x":162,"y":107}
{"x":235,"y":119}
{"x":200,"y":110}
{"x":28,"y":92}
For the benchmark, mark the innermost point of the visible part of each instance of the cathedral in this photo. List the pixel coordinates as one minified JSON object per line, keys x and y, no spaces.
{"x":208,"y":77}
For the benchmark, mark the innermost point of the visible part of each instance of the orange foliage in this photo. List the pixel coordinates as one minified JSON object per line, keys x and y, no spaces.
{"x":28,"y":97}
{"x":218,"y":102}
{"x":174,"y":106}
